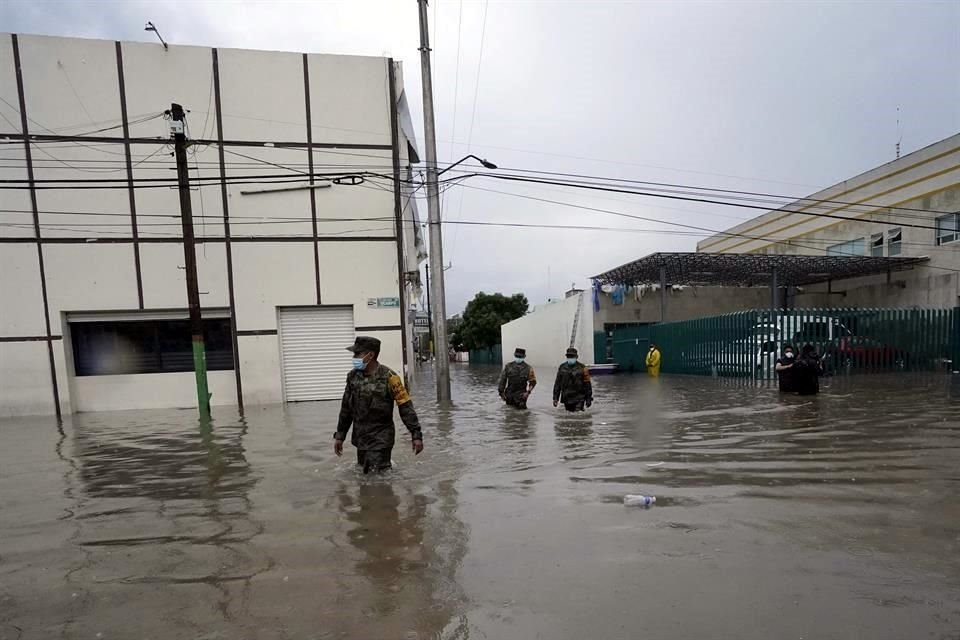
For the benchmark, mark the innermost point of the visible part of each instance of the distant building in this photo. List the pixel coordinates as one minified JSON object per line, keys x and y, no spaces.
{"x":92,"y":290}
{"x":907,"y":207}
{"x":548,"y":329}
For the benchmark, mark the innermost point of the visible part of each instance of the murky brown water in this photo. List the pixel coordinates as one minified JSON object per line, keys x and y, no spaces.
{"x":830,"y":517}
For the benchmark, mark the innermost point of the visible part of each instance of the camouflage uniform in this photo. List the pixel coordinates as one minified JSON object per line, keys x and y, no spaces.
{"x":573,"y":386}
{"x":514,"y":382}
{"x":368,"y":406}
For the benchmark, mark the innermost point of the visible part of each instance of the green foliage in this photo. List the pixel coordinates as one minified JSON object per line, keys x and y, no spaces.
{"x":480,"y":325}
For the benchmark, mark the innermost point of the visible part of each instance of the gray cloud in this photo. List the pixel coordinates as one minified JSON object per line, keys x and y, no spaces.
{"x":781,"y":97}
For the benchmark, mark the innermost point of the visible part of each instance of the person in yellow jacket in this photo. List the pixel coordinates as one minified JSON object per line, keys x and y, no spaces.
{"x":653,"y":361}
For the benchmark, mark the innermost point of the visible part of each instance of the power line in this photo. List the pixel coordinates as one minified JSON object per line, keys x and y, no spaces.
{"x":473,"y":117}
{"x":669,"y":196}
{"x":676,"y":195}
{"x":790,"y":199}
{"x":456,"y":90}
{"x":80,"y":227}
{"x":272,"y":179}
{"x":787,"y":242}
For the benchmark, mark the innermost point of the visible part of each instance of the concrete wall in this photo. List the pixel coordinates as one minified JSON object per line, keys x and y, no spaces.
{"x":545,"y":332}
{"x":682,"y":304}
{"x":93,"y":260}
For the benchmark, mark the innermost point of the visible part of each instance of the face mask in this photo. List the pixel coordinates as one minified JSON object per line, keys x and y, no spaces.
{"x":789,"y":356}
{"x":518,"y":360}
{"x":359,"y":364}
{"x":571,"y":361}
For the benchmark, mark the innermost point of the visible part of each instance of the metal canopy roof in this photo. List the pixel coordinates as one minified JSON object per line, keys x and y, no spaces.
{"x":749,"y":269}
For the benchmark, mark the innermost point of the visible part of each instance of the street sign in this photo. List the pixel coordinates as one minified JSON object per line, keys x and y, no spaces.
{"x":383,"y":303}
{"x":421,"y":323}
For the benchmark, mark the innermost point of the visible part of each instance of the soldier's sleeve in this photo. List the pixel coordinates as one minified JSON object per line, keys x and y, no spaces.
{"x":556,"y":386}
{"x":532,"y":379}
{"x":587,"y":383}
{"x":502,"y":384}
{"x":346,"y":413}
{"x":405,"y":405}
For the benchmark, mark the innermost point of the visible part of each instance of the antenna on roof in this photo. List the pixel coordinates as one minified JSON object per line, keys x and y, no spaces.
{"x":899,"y":133}
{"x":150,"y":27}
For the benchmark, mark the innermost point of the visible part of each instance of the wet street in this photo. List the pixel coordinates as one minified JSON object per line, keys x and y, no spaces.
{"x":829,"y":517}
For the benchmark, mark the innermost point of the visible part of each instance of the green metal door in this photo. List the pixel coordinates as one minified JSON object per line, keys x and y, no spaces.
{"x":630,"y":345}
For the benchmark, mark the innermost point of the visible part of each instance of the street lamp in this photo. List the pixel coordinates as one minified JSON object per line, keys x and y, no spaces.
{"x":437,"y":284}
{"x":486,"y":163}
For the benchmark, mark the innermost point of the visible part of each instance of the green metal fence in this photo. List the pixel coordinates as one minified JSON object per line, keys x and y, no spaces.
{"x":747,"y":344}
{"x":492,"y":355}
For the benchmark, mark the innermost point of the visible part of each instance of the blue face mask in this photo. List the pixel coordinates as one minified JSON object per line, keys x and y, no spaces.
{"x":571,"y":361}
{"x":359,"y":364}
{"x":518,"y":360}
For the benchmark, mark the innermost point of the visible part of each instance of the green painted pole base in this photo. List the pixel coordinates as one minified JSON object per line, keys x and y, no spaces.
{"x":200,"y":368}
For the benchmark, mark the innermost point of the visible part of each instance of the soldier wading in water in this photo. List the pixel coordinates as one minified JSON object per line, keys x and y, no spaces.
{"x":367,"y":406}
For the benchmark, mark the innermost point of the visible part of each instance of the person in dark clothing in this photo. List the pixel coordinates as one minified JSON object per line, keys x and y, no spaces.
{"x":372,"y":390}
{"x":786,"y":370}
{"x":517,"y":380}
{"x":573,"y":386}
{"x":808,"y":371}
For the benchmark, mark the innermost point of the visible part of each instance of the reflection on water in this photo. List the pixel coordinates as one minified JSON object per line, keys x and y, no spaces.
{"x":777,"y":516}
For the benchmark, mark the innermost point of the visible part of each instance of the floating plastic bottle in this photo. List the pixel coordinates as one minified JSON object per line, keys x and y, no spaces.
{"x":631,"y":500}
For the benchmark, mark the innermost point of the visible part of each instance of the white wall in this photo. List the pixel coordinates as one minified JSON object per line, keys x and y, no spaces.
{"x":150,"y":391}
{"x":20,"y":282}
{"x":72,"y":87}
{"x":545,"y":333}
{"x":24,"y":386}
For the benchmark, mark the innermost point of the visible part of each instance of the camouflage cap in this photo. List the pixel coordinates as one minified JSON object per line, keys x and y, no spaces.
{"x":572,"y":353}
{"x":364,"y":344}
{"x":520,"y":352}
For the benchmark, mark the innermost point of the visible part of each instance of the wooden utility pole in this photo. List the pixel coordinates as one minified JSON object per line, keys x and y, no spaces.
{"x":178,"y":131}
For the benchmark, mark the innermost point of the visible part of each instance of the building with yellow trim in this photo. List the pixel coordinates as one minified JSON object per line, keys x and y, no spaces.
{"x":908,"y":207}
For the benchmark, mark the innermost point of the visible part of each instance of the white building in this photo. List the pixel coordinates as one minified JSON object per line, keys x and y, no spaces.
{"x":92,"y":289}
{"x":909,"y":207}
{"x":549,"y":329}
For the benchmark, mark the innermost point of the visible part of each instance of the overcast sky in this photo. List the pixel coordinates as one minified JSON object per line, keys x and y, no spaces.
{"x":780,"y":97}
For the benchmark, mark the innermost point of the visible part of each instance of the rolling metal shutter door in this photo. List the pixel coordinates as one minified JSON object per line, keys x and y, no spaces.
{"x":314,"y":359}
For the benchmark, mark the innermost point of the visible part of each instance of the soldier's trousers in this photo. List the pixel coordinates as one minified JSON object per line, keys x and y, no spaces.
{"x":374,"y":460}
{"x":517,"y":401}
{"x":574,"y":406}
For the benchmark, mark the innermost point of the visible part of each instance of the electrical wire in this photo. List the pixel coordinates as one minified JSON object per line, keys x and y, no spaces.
{"x":734,"y":193}
{"x":671,"y":196}
{"x":456,"y":90}
{"x":570,"y":184}
{"x":790,"y":199}
{"x":473,"y":117}
{"x":786,"y":242}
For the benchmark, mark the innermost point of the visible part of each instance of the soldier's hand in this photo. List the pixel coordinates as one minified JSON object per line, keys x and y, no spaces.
{"x":589,"y":402}
{"x":555,"y":403}
{"x":338,"y":447}
{"x":417,"y":447}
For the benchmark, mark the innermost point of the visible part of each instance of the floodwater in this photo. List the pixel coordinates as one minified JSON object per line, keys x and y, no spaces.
{"x":829,"y":517}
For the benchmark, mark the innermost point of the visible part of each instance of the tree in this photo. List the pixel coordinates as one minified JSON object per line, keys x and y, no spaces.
{"x":480,"y":325}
